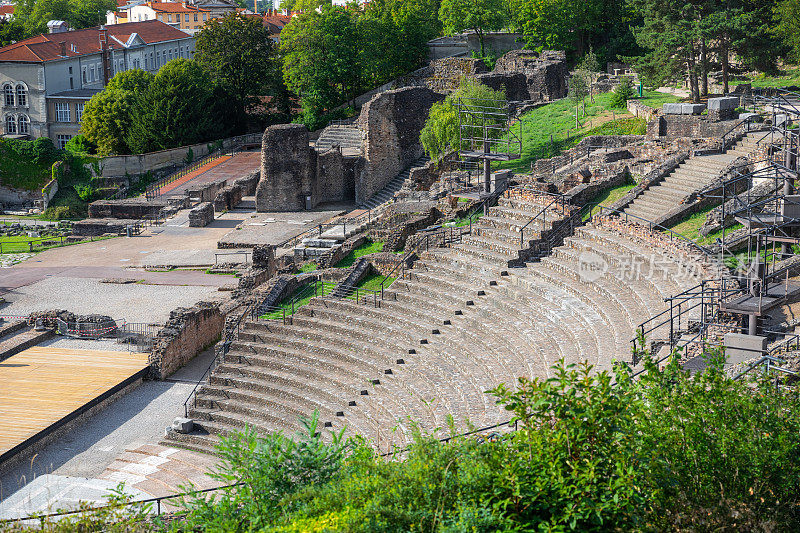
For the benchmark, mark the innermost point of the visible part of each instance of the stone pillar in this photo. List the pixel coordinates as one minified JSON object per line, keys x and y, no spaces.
{"x":287,"y":174}
{"x":264,"y":257}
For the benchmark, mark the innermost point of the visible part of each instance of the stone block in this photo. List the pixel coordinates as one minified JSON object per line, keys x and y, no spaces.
{"x":202,"y":215}
{"x":672,"y":109}
{"x":743,"y":116}
{"x":182,"y":425}
{"x":723,"y":104}
{"x":692,"y":109}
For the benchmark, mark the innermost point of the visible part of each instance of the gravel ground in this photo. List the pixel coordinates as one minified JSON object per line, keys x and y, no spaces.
{"x":135,"y":302}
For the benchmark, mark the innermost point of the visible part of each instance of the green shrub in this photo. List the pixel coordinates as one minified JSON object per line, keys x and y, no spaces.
{"x":622,"y":93}
{"x":80,"y":145}
{"x":86,"y":192}
{"x":61,"y":212}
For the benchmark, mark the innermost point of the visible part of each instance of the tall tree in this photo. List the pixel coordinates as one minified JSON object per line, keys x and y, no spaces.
{"x":35,"y":14}
{"x":479,"y":16}
{"x":787,"y":17}
{"x":108,"y":114}
{"x":320,"y":52}
{"x":181,"y":106}
{"x":239,"y":54}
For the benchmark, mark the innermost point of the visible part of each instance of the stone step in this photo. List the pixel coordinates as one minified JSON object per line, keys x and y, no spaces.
{"x":18,"y":339}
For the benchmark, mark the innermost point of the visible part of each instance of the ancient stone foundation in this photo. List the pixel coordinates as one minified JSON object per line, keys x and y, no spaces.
{"x":93,"y":227}
{"x":201,"y":216}
{"x":187,"y":332}
{"x":133,"y":208}
{"x":286,"y":169}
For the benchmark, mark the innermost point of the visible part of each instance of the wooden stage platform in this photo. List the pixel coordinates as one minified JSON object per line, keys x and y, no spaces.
{"x":42,"y":388}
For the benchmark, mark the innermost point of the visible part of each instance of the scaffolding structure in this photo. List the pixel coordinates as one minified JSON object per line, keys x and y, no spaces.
{"x":485,"y":135}
{"x":770,"y":234}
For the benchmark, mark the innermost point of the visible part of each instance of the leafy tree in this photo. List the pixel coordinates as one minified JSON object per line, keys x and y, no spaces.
{"x":787,"y":17}
{"x":319,"y":49}
{"x":239,"y":54}
{"x":576,"y":26}
{"x":441,"y":131}
{"x":479,"y":16}
{"x":579,"y":86}
{"x":182,"y":105}
{"x":89,"y":13}
{"x":304,"y":6}
{"x":108,"y":115}
{"x":35,"y":14}
{"x":11,"y":31}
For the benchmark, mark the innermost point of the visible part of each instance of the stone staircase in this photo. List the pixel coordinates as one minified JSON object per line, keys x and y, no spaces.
{"x":349,"y":138}
{"x":457,"y":325}
{"x":387,"y":193}
{"x":18,"y":336}
{"x":690,"y":176}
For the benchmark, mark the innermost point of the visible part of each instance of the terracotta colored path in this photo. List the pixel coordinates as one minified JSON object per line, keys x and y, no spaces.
{"x":225,"y":169}
{"x":192,"y":175}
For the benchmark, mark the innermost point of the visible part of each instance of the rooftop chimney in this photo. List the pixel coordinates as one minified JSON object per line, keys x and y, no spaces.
{"x":103,"y":37}
{"x":63,"y":46}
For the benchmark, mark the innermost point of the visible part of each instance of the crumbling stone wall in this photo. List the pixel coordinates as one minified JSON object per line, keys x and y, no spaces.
{"x":228,"y":198}
{"x":132,"y":208}
{"x":335,"y":176}
{"x":248,"y":183}
{"x":201,"y":216}
{"x":187,"y":332}
{"x":287,"y":169}
{"x":392,"y":121}
{"x":543,"y":75}
{"x":93,"y":227}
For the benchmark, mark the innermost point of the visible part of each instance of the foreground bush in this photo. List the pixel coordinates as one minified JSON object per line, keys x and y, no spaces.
{"x":662,"y":452}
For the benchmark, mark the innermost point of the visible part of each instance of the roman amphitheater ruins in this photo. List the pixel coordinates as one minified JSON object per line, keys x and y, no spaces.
{"x":485,"y":275}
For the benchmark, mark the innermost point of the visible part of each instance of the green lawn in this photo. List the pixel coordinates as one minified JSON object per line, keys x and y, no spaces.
{"x":19,"y":243}
{"x":373,"y":282}
{"x":656,"y":99}
{"x":790,"y":76}
{"x":690,"y":228}
{"x":558,"y":119}
{"x":608,"y":197}
{"x":308,"y":267}
{"x":303,"y":294}
{"x":369,"y":247}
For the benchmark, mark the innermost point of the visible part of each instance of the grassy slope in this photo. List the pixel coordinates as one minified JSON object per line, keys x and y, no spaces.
{"x":790,"y":76}
{"x":558,"y":119}
{"x":367,"y":248}
{"x":608,"y":197}
{"x":690,"y":228}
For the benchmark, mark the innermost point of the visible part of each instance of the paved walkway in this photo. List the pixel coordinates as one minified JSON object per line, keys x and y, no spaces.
{"x":222,"y":169}
{"x":81,"y":465}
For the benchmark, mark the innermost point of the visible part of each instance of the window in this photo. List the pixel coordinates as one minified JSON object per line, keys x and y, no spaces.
{"x":169,"y":18}
{"x":195,"y":17}
{"x":92,"y":76}
{"x":62,"y":140}
{"x":23,"y":122}
{"x":71,"y":83}
{"x":70,"y":70}
{"x":204,"y":17}
{"x":146,"y":62}
{"x":85,"y":77}
{"x":8,"y":91}
{"x":158,"y":59}
{"x":186,"y":17}
{"x":62,"y":112}
{"x":22,"y":95}
{"x":11,"y":124}
{"x":79,"y":111}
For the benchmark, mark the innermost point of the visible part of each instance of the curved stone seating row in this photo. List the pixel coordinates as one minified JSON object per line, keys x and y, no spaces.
{"x":459,"y":324}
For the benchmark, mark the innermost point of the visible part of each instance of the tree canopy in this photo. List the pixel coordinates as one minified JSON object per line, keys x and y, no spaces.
{"x":33,"y":15}
{"x":238,"y":53}
{"x":479,"y":16}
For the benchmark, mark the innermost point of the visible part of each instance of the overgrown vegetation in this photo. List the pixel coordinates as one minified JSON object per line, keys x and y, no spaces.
{"x":690,"y":226}
{"x":550,"y":129}
{"x":369,"y":247}
{"x":594,"y":451}
{"x":27,"y":164}
{"x":608,"y":197}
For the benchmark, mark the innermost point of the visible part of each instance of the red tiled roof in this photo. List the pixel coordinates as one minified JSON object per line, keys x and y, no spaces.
{"x":47,"y":48}
{"x":275,"y":23}
{"x":7,"y":9}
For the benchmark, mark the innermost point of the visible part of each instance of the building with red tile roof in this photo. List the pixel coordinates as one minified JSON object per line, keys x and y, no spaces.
{"x":7,"y":11}
{"x":46,"y":80}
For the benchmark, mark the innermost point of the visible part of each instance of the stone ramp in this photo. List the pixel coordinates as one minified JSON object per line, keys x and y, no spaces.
{"x":458,"y":325}
{"x":690,"y":176}
{"x":18,"y":336}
